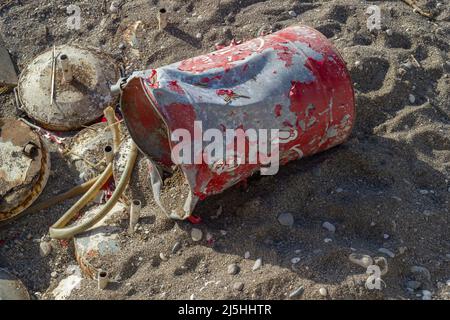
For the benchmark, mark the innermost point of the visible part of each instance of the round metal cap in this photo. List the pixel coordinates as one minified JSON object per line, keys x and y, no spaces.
{"x":77,"y":102}
{"x":24,"y":167}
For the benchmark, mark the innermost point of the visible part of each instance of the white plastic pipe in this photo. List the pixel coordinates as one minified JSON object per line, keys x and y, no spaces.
{"x":162,"y":19}
{"x":103,"y":279}
{"x":135,"y":212}
{"x":109,"y":154}
{"x":66,"y":68}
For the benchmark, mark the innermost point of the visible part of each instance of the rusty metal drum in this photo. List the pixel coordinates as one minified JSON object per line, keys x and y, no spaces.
{"x":24,"y":167}
{"x":293,"y":80}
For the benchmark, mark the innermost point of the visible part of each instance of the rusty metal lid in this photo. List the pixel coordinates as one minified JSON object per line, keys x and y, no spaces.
{"x":24,"y":167}
{"x":76,"y":103}
{"x":12,"y":288}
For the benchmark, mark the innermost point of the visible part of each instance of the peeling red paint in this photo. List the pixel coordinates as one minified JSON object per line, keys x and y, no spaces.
{"x":174,"y":86}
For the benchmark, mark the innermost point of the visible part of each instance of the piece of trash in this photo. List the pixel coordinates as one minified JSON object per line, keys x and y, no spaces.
{"x":12,"y":288}
{"x":77,"y":97}
{"x":24,"y":167}
{"x":102,"y":279}
{"x":162,"y":19}
{"x":155,"y":103}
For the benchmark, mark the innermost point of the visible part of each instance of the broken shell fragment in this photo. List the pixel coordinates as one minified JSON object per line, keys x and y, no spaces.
{"x":80,"y":87}
{"x":24,"y":167}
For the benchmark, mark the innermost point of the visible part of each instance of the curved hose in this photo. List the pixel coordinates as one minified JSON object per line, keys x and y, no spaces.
{"x":63,"y":233}
{"x":75,"y":191}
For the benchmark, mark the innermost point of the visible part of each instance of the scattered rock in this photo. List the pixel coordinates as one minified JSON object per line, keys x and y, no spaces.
{"x":387,"y":252}
{"x":196,"y":234}
{"x":54,"y":274}
{"x":45,"y":248}
{"x":424,"y":192}
{"x":297,"y":292}
{"x":389,"y":32}
{"x":238,"y":286}
{"x":327,"y":240}
{"x":362,"y":260}
{"x":323,"y":292}
{"x":385,"y":236}
{"x":329,"y":226}
{"x":257,"y":265}
{"x":199,"y":35}
{"x":411,"y":98}
{"x":233,"y":269}
{"x":246,"y":255}
{"x":295,"y":260}
{"x":292,"y":13}
{"x":286,"y":219}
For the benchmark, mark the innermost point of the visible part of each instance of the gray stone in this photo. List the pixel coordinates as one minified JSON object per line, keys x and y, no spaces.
{"x":233,"y":269}
{"x":286,"y":219}
{"x":238,"y":286}
{"x":257,"y":265}
{"x":329,"y":226}
{"x":176,"y":247}
{"x":45,"y":248}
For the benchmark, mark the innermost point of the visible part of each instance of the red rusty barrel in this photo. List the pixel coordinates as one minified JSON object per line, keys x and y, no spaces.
{"x":293,"y":80}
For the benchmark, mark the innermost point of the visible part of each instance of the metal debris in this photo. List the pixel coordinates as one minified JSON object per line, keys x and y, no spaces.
{"x":75,"y":103}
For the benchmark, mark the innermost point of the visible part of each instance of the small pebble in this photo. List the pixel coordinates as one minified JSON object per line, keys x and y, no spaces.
{"x":292,"y":13}
{"x":246,"y":255}
{"x":295,"y":260}
{"x":424,"y":192}
{"x":357,"y":63}
{"x":199,"y":35}
{"x":385,"y":236}
{"x":257,"y":265}
{"x":54,"y":274}
{"x":238,"y":286}
{"x":323,"y":292}
{"x":297,"y":292}
{"x":233,"y":269}
{"x":411,"y":98}
{"x":327,"y":240}
{"x":45,"y":248}
{"x":389,"y":32}
{"x":122,"y":46}
{"x":339,"y":190}
{"x":196,"y":234}
{"x":286,"y":219}
{"x":387,"y":252}
{"x":448,"y":283}
{"x":329,"y":226}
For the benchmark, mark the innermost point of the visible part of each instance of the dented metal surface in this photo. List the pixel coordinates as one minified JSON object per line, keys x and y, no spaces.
{"x":292,"y":80}
{"x":24,"y":167}
{"x":75,"y":103}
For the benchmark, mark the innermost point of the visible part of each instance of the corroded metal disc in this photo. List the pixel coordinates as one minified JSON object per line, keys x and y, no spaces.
{"x":12,"y":288}
{"x":24,"y":167}
{"x":77,"y":103}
